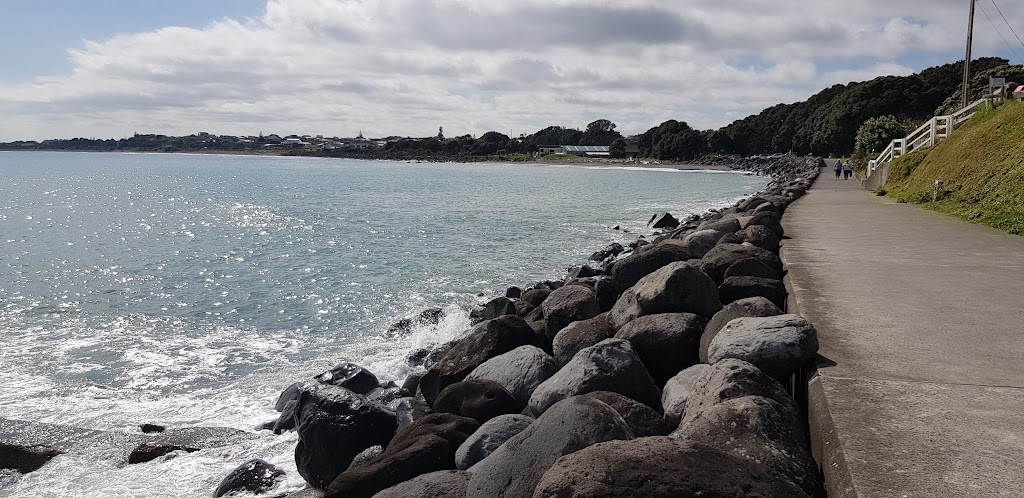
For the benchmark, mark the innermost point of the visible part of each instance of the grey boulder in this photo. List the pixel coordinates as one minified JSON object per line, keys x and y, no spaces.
{"x":520,"y":371}
{"x":778,"y":345}
{"x":702,"y":241}
{"x":440,"y":484}
{"x":676,"y":392}
{"x":627,"y":271}
{"x":579,"y":335}
{"x":722,"y":256}
{"x":666,"y":343}
{"x":742,"y":287}
{"x":676,"y":288}
{"x":569,"y":304}
{"x":488,"y":438}
{"x":753,"y":306}
{"x":730,"y":379}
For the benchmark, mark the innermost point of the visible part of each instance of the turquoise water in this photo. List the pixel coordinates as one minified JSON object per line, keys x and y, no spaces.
{"x":189,"y":289}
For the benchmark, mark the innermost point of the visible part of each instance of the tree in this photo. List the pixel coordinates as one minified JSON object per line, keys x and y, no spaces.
{"x":876,"y":133}
{"x":618,"y":148}
{"x":440,"y":133}
{"x":600,"y":132}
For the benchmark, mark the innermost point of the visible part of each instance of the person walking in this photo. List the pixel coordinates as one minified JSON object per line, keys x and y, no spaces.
{"x":839,"y":167}
{"x":847,"y":170}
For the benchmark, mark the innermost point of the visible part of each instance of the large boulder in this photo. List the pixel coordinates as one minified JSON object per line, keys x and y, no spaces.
{"x":753,"y":306}
{"x":497,"y":307}
{"x":702,"y":241}
{"x":604,"y":287}
{"x":676,"y":392}
{"x":662,"y":220}
{"x":520,"y":371}
{"x":334,"y":425}
{"x":731,"y":379}
{"x":676,"y":247}
{"x":660,"y":467}
{"x":778,"y":345}
{"x":477,"y":399}
{"x":485,"y":341}
{"x":666,"y":343}
{"x":535,"y":297}
{"x":722,"y":256}
{"x":610,"y":365}
{"x":677,"y":288}
{"x":427,"y":446}
{"x":579,"y":335}
{"x":254,"y":476}
{"x":569,"y":304}
{"x":762,"y":236}
{"x":440,"y":484}
{"x":769,"y":220}
{"x":750,"y":267}
{"x":350,"y":376}
{"x":761,"y":430}
{"x":613,"y":249}
{"x":488,"y":438}
{"x":742,"y":287}
{"x":727,"y":225}
{"x":514,"y":469}
{"x":627,"y":271}
{"x":643,"y":420}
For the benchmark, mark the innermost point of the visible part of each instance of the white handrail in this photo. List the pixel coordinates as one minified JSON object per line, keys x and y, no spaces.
{"x":912,"y":142}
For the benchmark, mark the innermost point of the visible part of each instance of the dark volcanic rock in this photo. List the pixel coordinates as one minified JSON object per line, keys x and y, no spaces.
{"x":660,"y":467}
{"x":440,"y":484}
{"x":729,"y":225}
{"x":427,"y":446}
{"x":334,"y":425}
{"x":25,"y":459}
{"x":604,"y":287}
{"x":611,"y":365}
{"x":488,"y":438}
{"x":151,"y":428}
{"x":520,"y":371}
{"x":666,"y":343}
{"x":643,"y":420}
{"x":364,"y":457}
{"x":485,"y":341}
{"x":761,"y":236}
{"x":350,"y":376}
{"x":579,"y":335}
{"x":769,"y":220}
{"x":254,"y":476}
{"x":569,"y":304}
{"x":290,"y":393}
{"x":751,"y":267}
{"x":627,"y":271}
{"x":514,"y":292}
{"x":761,"y":430}
{"x":662,"y":220}
{"x":514,"y":469}
{"x":429,"y":316}
{"x":146,"y":452}
{"x":676,"y":288}
{"x":742,"y":287}
{"x":731,"y":379}
{"x":778,"y":345}
{"x":700,"y":242}
{"x":722,"y":256}
{"x":613,"y":249}
{"x":495,"y":308}
{"x":754,"y":306}
{"x":478,"y":399}
{"x":579,"y":272}
{"x":534,"y":297}
{"x":676,"y":392}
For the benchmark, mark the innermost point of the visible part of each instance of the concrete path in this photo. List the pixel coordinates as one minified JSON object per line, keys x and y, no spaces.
{"x":921,"y":321}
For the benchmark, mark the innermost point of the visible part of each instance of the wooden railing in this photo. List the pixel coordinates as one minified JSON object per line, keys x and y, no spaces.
{"x":926,"y":136}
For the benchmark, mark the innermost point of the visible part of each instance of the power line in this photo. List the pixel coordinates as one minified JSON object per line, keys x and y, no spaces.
{"x":1007,"y":22}
{"x":983,"y":11}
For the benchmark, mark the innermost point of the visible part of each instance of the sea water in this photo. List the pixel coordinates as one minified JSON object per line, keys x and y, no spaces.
{"x":188,"y":290}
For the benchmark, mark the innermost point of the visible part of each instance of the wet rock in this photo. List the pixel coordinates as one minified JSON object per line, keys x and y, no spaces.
{"x":604,"y":287}
{"x":627,"y":271}
{"x":485,"y":341}
{"x":642,"y":420}
{"x":753,"y":306}
{"x":290,"y":393}
{"x":581,"y":272}
{"x":409,"y":410}
{"x":350,"y":376}
{"x":700,"y":242}
{"x":731,"y":379}
{"x":742,"y":287}
{"x":666,"y":343}
{"x":427,"y":446}
{"x":495,"y":308}
{"x":488,"y":438}
{"x":662,"y":220}
{"x":569,"y":304}
{"x":676,"y":393}
{"x":760,"y":430}
{"x":579,"y":335}
{"x":430,"y":316}
{"x":534,"y":297}
{"x":676,"y":288}
{"x":334,"y":425}
{"x":778,"y":345}
{"x":146,"y":452}
{"x":660,"y":467}
{"x":520,"y":371}
{"x":613,"y":249}
{"x":440,"y":484}
{"x":514,"y":469}
{"x":611,"y":365}
{"x":25,"y":458}
{"x":722,"y":256}
{"x":151,"y":428}
{"x":514,"y":292}
{"x":364,"y":457}
{"x":478,"y":399}
{"x":255,"y":476}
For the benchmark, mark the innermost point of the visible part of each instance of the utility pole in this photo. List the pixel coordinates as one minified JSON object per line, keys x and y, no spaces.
{"x":967,"y":60}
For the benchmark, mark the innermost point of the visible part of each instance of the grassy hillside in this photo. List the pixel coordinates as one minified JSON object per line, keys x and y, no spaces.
{"x":982,"y":166}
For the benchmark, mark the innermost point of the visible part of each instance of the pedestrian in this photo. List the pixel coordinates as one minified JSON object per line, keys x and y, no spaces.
{"x":839,"y":167}
{"x":847,"y":170}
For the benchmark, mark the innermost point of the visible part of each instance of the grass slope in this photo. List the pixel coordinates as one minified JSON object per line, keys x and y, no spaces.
{"x":982,"y":166}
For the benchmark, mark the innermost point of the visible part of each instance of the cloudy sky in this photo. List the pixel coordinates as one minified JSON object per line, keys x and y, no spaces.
{"x":110,"y":68}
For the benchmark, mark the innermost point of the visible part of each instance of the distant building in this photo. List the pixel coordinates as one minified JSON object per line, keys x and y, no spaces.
{"x":545,"y":150}
{"x":632,"y":150}
{"x":588,"y":150}
{"x":1019,"y":93}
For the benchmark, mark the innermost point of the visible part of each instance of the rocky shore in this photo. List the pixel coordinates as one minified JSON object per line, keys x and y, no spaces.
{"x":659,"y":369}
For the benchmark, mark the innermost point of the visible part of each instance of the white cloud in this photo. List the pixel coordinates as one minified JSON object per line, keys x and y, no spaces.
{"x":408,"y":66}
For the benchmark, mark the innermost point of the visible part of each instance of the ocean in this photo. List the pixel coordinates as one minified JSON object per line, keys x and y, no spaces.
{"x":189,"y":290}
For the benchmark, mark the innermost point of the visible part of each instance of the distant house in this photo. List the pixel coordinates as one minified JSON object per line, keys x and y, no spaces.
{"x":545,"y":150}
{"x":632,"y":150}
{"x":1019,"y":93}
{"x":588,"y":150}
{"x":294,"y":142}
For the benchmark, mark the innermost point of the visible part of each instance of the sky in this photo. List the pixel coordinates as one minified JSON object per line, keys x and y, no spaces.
{"x":112,"y":68}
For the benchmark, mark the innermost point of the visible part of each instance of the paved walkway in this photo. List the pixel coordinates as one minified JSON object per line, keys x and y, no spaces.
{"x":921,"y":321}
